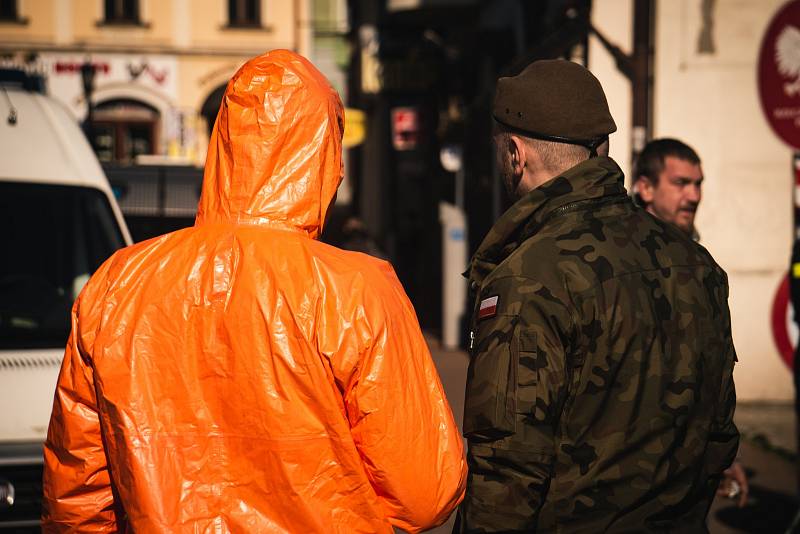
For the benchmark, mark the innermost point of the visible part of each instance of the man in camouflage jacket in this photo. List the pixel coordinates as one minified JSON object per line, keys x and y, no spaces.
{"x":600,"y":395}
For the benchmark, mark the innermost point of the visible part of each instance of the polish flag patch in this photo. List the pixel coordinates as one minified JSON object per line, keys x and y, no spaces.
{"x":488,"y":307}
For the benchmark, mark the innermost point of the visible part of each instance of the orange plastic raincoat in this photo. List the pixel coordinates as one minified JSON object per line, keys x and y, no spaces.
{"x":240,"y":376}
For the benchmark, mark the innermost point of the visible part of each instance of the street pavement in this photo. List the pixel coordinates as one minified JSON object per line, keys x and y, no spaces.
{"x":768,"y":452}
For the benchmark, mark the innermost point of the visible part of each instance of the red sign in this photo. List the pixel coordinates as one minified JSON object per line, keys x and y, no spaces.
{"x":783,"y":331}
{"x":779,"y":73}
{"x":405,"y":128}
{"x":73,"y":67}
{"x":781,"y":316}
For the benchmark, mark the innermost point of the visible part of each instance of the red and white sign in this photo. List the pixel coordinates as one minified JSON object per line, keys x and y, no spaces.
{"x":116,"y":76}
{"x":784,"y":333}
{"x":779,"y":74}
{"x":784,"y":329}
{"x":405,"y":128}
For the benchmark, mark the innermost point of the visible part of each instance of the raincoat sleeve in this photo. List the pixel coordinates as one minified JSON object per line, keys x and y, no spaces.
{"x":399,"y":416}
{"x":76,"y":484}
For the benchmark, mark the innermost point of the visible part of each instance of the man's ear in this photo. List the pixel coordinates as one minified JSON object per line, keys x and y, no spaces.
{"x":516,"y":147}
{"x":646,"y":189}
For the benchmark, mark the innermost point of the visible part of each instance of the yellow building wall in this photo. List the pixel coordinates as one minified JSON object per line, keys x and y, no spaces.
{"x":210,"y":30}
{"x":167,"y":26}
{"x":200,"y":75}
{"x":191,"y":40}
{"x":155,"y":30}
{"x":40,"y":26}
{"x":171,"y":25}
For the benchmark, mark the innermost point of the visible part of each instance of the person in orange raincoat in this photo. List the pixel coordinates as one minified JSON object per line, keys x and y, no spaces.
{"x":241,"y":376}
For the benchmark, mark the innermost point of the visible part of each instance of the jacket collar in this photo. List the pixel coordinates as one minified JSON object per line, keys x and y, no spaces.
{"x":593,"y":179}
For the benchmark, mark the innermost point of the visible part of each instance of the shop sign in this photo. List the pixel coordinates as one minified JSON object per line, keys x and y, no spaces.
{"x":155,"y":74}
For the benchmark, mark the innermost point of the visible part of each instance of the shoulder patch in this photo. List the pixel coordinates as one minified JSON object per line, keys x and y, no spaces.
{"x":488,"y":307}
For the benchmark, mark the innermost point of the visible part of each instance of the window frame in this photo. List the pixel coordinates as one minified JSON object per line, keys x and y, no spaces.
{"x":241,"y":22}
{"x":119,"y":127}
{"x":119,"y":18}
{"x":14,"y":17}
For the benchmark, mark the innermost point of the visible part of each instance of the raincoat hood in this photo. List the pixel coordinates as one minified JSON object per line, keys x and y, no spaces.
{"x":274,"y":157}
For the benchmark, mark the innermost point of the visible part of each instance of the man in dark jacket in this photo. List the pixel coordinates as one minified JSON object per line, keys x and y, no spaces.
{"x":600,"y":393}
{"x":668,"y":184}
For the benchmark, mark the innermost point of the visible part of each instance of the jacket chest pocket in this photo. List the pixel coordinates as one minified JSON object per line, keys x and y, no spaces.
{"x":501,"y":381}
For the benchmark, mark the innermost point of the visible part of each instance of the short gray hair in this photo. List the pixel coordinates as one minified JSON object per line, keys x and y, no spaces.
{"x":556,"y":157}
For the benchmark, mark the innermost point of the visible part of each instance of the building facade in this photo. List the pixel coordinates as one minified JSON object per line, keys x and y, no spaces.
{"x":155,"y":73}
{"x":160,"y":67}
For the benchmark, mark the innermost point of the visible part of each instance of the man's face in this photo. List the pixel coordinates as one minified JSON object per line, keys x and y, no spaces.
{"x":677,"y":194}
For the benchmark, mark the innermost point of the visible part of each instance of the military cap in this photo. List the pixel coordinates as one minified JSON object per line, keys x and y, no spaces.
{"x":555,"y":100}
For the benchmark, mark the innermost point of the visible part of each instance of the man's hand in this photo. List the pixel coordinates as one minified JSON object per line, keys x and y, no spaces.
{"x":734,"y":484}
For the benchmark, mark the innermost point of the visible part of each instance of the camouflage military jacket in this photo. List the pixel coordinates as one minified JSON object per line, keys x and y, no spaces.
{"x":600,"y":395}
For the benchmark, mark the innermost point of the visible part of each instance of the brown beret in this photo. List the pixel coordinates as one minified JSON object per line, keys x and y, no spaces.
{"x":556,"y":100}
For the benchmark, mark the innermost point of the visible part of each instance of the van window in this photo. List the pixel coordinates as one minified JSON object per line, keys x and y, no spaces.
{"x":52,"y":238}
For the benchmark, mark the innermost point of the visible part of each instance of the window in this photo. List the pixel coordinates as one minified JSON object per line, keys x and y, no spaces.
{"x":8,"y":11}
{"x":244,"y":13}
{"x":124,"y":129}
{"x":122,"y":12}
{"x":54,"y":237}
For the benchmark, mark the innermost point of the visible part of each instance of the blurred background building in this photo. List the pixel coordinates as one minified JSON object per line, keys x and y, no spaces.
{"x":159,"y":67}
{"x":146,"y":77}
{"x":678,"y":68}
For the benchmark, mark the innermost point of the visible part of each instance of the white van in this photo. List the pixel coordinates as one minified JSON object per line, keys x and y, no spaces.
{"x":58,"y":222}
